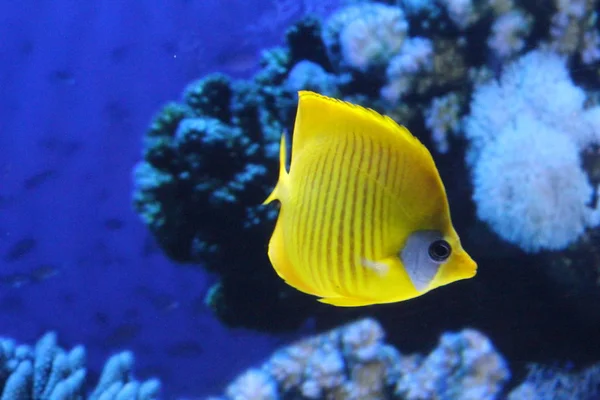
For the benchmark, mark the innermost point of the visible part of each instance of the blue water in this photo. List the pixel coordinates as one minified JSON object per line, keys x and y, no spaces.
{"x":79,"y":82}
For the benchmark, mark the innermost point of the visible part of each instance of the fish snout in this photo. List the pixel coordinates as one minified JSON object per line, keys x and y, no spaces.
{"x":466,"y":266}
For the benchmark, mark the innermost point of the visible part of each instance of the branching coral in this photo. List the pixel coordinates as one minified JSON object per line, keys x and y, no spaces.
{"x":574,"y":29}
{"x":442,"y":117}
{"x":47,"y":372}
{"x":465,"y":366}
{"x":354,"y":362}
{"x":415,"y":57}
{"x":508,"y":33}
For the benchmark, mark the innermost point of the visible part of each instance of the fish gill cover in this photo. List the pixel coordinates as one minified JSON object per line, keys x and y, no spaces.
{"x":476,"y":81}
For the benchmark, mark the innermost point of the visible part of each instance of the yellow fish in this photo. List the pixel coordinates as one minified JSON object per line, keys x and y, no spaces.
{"x":364,"y":217}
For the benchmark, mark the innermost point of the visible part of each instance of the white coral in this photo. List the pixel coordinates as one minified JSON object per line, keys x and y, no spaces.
{"x":374,"y":37}
{"x":526,"y":134}
{"x":415,"y":56}
{"x":254,"y":384}
{"x":530,"y":187}
{"x":508,"y":33}
{"x":590,"y":51}
{"x":324,"y":371}
{"x":465,"y":366}
{"x":442,"y":117}
{"x":538,"y":84}
{"x":461,"y":12}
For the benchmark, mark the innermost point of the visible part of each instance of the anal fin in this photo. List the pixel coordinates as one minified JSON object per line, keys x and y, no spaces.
{"x":346,"y":301}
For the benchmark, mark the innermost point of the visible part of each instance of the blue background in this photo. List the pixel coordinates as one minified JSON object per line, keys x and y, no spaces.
{"x":79,"y":83}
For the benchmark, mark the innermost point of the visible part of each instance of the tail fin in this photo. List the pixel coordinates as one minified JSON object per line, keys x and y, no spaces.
{"x":276,"y":193}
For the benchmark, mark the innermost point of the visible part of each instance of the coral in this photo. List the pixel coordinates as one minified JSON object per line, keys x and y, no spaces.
{"x":590,"y":49}
{"x":461,"y":12}
{"x":178,"y":190}
{"x":354,"y":362}
{"x":181,"y":195}
{"x":196,"y":142}
{"x":511,"y":201}
{"x":507,"y":180}
{"x":254,"y":384}
{"x":48,"y":372}
{"x":373,"y":38}
{"x":508,"y":33}
{"x":306,"y":75}
{"x":365,"y":35}
{"x":464,"y":366}
{"x":544,"y":383}
{"x":45,"y":371}
{"x":210,"y":96}
{"x":573,"y":29}
{"x":116,"y":381}
{"x":341,"y":363}
{"x":442,"y":118}
{"x":522,"y":89}
{"x":305,"y":43}
{"x":415,"y":56}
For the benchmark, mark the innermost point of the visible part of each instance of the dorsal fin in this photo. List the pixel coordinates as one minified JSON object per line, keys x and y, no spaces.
{"x":320,"y":116}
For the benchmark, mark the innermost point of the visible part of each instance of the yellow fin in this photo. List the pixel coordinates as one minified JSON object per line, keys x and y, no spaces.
{"x":346,"y":301}
{"x":280,"y":261}
{"x":320,"y":116}
{"x":277,"y":191}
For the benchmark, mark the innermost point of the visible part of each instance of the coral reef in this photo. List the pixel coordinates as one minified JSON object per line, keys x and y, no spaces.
{"x":182,"y":197}
{"x":48,"y":372}
{"x":514,"y":114}
{"x":354,"y":362}
{"x":367,"y":35}
{"x":544,"y":383}
{"x":470,"y":78}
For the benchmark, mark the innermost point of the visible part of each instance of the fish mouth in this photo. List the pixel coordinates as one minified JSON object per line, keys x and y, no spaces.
{"x":464,"y":266}
{"x":473,"y":270}
{"x":470,"y":266}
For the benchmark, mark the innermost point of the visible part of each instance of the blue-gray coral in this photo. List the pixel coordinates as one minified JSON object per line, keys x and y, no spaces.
{"x":48,"y":372}
{"x":354,"y":362}
{"x":554,"y":383}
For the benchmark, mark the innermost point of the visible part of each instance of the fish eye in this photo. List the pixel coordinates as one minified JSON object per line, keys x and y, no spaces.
{"x":439,"y":250}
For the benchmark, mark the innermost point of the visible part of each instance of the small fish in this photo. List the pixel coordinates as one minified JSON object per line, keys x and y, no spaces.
{"x":38,"y":179}
{"x":20,"y":249}
{"x":364,"y":217}
{"x":43,"y":272}
{"x":16,"y":280}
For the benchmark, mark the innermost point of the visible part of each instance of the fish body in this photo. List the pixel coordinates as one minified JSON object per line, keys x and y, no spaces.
{"x":364,"y":217}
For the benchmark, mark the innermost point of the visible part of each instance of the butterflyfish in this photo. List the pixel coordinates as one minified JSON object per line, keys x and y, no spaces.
{"x":364,"y":218}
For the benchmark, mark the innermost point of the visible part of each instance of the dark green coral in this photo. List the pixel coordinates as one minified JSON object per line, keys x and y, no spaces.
{"x":211,"y":97}
{"x":210,"y":161}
